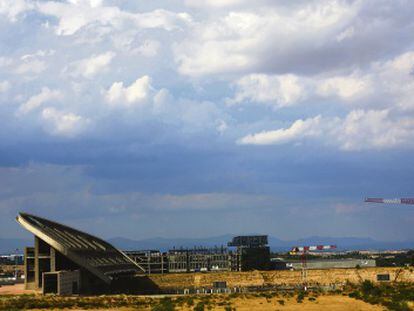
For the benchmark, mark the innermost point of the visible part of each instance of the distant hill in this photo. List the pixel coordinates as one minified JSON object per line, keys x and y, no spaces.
{"x":343,"y":243}
{"x":276,"y":244}
{"x":166,"y":244}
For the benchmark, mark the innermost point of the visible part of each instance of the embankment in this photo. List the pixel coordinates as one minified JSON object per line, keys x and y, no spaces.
{"x":279,"y":278}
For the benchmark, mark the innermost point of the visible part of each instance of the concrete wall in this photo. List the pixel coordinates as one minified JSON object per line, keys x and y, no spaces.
{"x":64,"y":282}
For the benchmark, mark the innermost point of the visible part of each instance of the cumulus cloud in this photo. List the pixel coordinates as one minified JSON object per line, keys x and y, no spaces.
{"x":302,"y":37}
{"x":5,"y":61}
{"x":359,"y":130}
{"x":239,"y":41}
{"x":13,"y":8}
{"x":37,"y":54}
{"x":32,"y":63}
{"x":298,"y":130}
{"x":213,"y":3}
{"x":395,"y":80}
{"x":136,"y":93}
{"x":297,"y":56}
{"x":326,"y":76}
{"x":4,"y":86}
{"x":31,"y":66}
{"x":148,"y":48}
{"x":91,"y":66}
{"x":279,"y":91}
{"x":375,"y":129}
{"x":37,"y":100}
{"x":76,"y":15}
{"x":344,"y":87}
{"x":63,"y":123}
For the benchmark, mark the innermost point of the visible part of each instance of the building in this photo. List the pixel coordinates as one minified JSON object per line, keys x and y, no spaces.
{"x":65,"y":260}
{"x":253,"y":253}
{"x":152,"y":261}
{"x":200,"y":259}
{"x":69,"y":261}
{"x":344,"y":263}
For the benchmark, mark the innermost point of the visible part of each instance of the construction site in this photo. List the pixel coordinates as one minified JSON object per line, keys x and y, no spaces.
{"x":66,"y":262}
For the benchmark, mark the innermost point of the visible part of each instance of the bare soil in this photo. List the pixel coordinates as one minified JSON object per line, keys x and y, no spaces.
{"x":17,"y":289}
{"x":329,"y":303}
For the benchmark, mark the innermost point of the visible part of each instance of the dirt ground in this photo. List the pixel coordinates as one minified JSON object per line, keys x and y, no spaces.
{"x":16,"y":289}
{"x":248,"y":302}
{"x":328,"y":303}
{"x":332,"y":303}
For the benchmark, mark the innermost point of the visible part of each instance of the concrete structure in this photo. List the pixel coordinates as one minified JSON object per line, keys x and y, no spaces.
{"x":184,"y":260}
{"x":153,"y":261}
{"x":332,"y":264}
{"x":201,"y":259}
{"x":252,"y":252}
{"x":61,"y":282}
{"x":62,"y":254}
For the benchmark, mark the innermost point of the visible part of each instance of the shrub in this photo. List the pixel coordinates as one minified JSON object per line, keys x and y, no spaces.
{"x":190,"y":301}
{"x":165,"y":304}
{"x":199,"y":306}
{"x":228,"y":308}
{"x":301,"y":296}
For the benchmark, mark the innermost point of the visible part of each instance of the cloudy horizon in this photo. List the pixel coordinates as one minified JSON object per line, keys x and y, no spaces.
{"x":200,"y":118}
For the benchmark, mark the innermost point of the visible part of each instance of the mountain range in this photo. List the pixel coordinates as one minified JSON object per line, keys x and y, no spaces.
{"x":276,"y":244}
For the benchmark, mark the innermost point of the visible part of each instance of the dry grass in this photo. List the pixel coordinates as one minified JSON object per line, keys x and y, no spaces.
{"x":226,"y":302}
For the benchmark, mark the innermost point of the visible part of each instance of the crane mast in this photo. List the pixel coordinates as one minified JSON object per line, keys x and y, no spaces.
{"x":303,"y":250}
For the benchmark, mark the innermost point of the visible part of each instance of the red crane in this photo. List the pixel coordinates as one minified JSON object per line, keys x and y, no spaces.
{"x":303,"y":250}
{"x":390,"y":201}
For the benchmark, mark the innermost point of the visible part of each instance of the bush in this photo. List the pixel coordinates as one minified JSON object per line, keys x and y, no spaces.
{"x":394,"y":296}
{"x":165,"y":304}
{"x":190,"y":301}
{"x":199,"y":306}
{"x":398,"y":306}
{"x":301,"y":296}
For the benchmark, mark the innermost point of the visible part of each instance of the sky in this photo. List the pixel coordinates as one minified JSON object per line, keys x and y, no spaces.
{"x":199,"y":118}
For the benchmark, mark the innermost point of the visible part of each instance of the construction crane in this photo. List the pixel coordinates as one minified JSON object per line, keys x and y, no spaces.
{"x":303,"y":250}
{"x":390,"y":201}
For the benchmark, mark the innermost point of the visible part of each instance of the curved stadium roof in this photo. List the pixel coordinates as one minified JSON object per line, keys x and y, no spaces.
{"x":89,"y":252}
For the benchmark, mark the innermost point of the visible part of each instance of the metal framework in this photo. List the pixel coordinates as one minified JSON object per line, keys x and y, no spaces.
{"x":409,"y":201}
{"x":303,"y":250}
